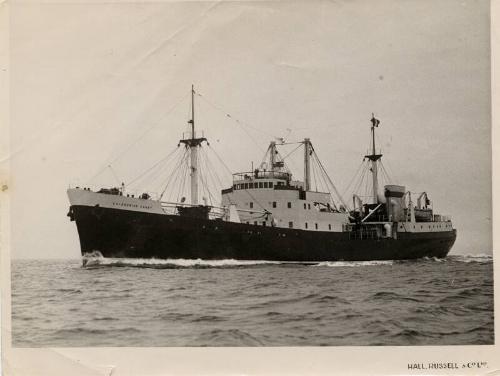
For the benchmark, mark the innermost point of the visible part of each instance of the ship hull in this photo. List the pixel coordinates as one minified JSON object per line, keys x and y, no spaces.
{"x":132,"y":234}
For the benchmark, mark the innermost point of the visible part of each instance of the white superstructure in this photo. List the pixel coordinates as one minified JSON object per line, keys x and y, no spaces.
{"x":271,"y":198}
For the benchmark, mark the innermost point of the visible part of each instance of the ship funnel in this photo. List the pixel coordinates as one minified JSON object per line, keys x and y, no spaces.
{"x":394,"y":202}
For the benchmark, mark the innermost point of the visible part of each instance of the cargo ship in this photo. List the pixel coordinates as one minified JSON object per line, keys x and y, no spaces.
{"x":265,"y":214}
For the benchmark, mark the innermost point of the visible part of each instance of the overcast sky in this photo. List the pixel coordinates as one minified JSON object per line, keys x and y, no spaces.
{"x":88,"y":79}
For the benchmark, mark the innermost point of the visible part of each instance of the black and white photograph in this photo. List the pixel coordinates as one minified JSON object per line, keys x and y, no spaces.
{"x":250,"y":174}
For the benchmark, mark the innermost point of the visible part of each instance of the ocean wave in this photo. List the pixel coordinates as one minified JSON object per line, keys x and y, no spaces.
{"x":388,"y":295}
{"x":331,"y":299}
{"x":461,"y":294}
{"x":64,"y":333}
{"x":277,"y":305}
{"x":208,"y":318}
{"x":105,"y":318}
{"x":70,"y":291}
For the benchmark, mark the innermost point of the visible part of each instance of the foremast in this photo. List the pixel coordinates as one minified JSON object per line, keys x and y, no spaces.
{"x":193,"y":144}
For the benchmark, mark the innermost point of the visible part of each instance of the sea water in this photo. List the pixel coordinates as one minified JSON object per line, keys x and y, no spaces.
{"x":136,"y":302}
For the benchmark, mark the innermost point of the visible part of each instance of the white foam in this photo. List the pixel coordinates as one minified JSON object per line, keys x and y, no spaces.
{"x":354,"y":263}
{"x":436,"y":259}
{"x":96,"y":258}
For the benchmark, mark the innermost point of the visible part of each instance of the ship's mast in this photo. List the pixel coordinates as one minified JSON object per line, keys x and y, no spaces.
{"x":193,"y":143}
{"x":373,"y":157}
{"x":272,"y":156}
{"x":192,"y":112}
{"x":307,"y":164}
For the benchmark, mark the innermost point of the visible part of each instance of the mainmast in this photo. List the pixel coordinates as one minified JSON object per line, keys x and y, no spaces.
{"x":373,"y":157}
{"x":193,"y":143}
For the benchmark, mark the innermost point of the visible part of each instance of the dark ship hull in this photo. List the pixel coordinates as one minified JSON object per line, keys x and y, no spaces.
{"x":131,"y":234}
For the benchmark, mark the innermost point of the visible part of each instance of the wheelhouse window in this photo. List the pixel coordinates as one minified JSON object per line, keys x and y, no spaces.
{"x":316,"y":226}
{"x":309,"y":206}
{"x":274,"y":204}
{"x":261,"y":184}
{"x":266,"y":184}
{"x":289,"y":205}
{"x":305,"y":206}
{"x":270,"y":184}
{"x":290,"y":224}
{"x":246,"y":186}
{"x":329,"y":227}
{"x":251,"y":205}
{"x":306,"y":225}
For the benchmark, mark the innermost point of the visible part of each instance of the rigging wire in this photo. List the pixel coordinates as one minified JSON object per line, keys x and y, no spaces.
{"x":200,"y":176}
{"x":293,"y":151}
{"x":329,"y":179}
{"x":212,"y":168}
{"x":364,"y":182}
{"x":367,"y":184}
{"x":361,"y":179}
{"x":217,"y":182}
{"x":323,"y":176}
{"x":135,"y":141}
{"x":328,"y":190}
{"x":314,"y":177}
{"x":221,"y":160}
{"x":355,"y":176}
{"x":164,"y":159}
{"x":174,"y":178}
{"x":385,"y":174}
{"x":185,"y":173}
{"x":176,"y":162}
{"x":290,"y":161}
{"x":389,"y":170}
{"x":204,"y":184}
{"x":239,"y":122}
{"x":114,"y":174}
{"x":159,"y":179}
{"x":205,"y":178}
{"x":176,"y":172}
{"x":389,"y":175}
